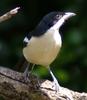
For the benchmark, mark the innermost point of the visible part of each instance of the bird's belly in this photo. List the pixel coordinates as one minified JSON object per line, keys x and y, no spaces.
{"x":43,"y":50}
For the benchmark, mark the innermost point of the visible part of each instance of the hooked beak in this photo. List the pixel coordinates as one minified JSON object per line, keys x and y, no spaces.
{"x":68,"y":15}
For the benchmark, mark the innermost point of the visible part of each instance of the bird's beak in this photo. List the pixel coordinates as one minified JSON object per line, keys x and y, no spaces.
{"x":68,"y":15}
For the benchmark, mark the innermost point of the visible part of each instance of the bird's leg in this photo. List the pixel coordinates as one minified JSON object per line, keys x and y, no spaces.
{"x":26,"y":71}
{"x":32,"y":68}
{"x":57,"y":87}
{"x":55,"y":81}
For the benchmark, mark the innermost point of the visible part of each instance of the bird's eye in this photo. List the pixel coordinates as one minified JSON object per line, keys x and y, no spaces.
{"x":58,"y":17}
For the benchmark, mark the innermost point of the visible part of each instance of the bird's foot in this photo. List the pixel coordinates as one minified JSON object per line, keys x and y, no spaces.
{"x":26,"y":77}
{"x":57,"y":88}
{"x":27,"y":73}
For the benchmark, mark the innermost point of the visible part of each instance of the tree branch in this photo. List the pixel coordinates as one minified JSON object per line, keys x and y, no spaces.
{"x":9,"y":14}
{"x":13,"y":86}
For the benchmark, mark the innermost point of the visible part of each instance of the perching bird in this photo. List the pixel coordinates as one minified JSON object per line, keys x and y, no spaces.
{"x":42,"y":45}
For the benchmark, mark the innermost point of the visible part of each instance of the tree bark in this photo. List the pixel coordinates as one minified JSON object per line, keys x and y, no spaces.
{"x":13,"y":86}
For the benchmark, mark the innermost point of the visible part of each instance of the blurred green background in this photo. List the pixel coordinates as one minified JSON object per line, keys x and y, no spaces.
{"x":70,"y":67}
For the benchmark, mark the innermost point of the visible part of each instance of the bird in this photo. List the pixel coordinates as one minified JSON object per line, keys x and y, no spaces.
{"x":42,"y":45}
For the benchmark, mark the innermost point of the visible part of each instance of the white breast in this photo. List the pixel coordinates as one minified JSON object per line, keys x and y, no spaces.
{"x":43,"y":50}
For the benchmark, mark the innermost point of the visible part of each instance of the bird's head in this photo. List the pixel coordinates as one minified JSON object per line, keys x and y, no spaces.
{"x":56,"y":19}
{"x":53,"y":20}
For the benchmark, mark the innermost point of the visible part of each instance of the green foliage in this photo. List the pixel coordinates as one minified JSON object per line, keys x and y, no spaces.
{"x":70,"y":67}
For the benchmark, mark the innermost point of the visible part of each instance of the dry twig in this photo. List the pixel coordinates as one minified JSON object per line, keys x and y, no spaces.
{"x":9,"y":14}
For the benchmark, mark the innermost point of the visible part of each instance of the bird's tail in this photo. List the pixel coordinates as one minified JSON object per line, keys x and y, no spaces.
{"x":21,"y":64}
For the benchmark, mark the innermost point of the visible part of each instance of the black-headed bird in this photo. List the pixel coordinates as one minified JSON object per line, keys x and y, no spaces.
{"x":42,"y":45}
